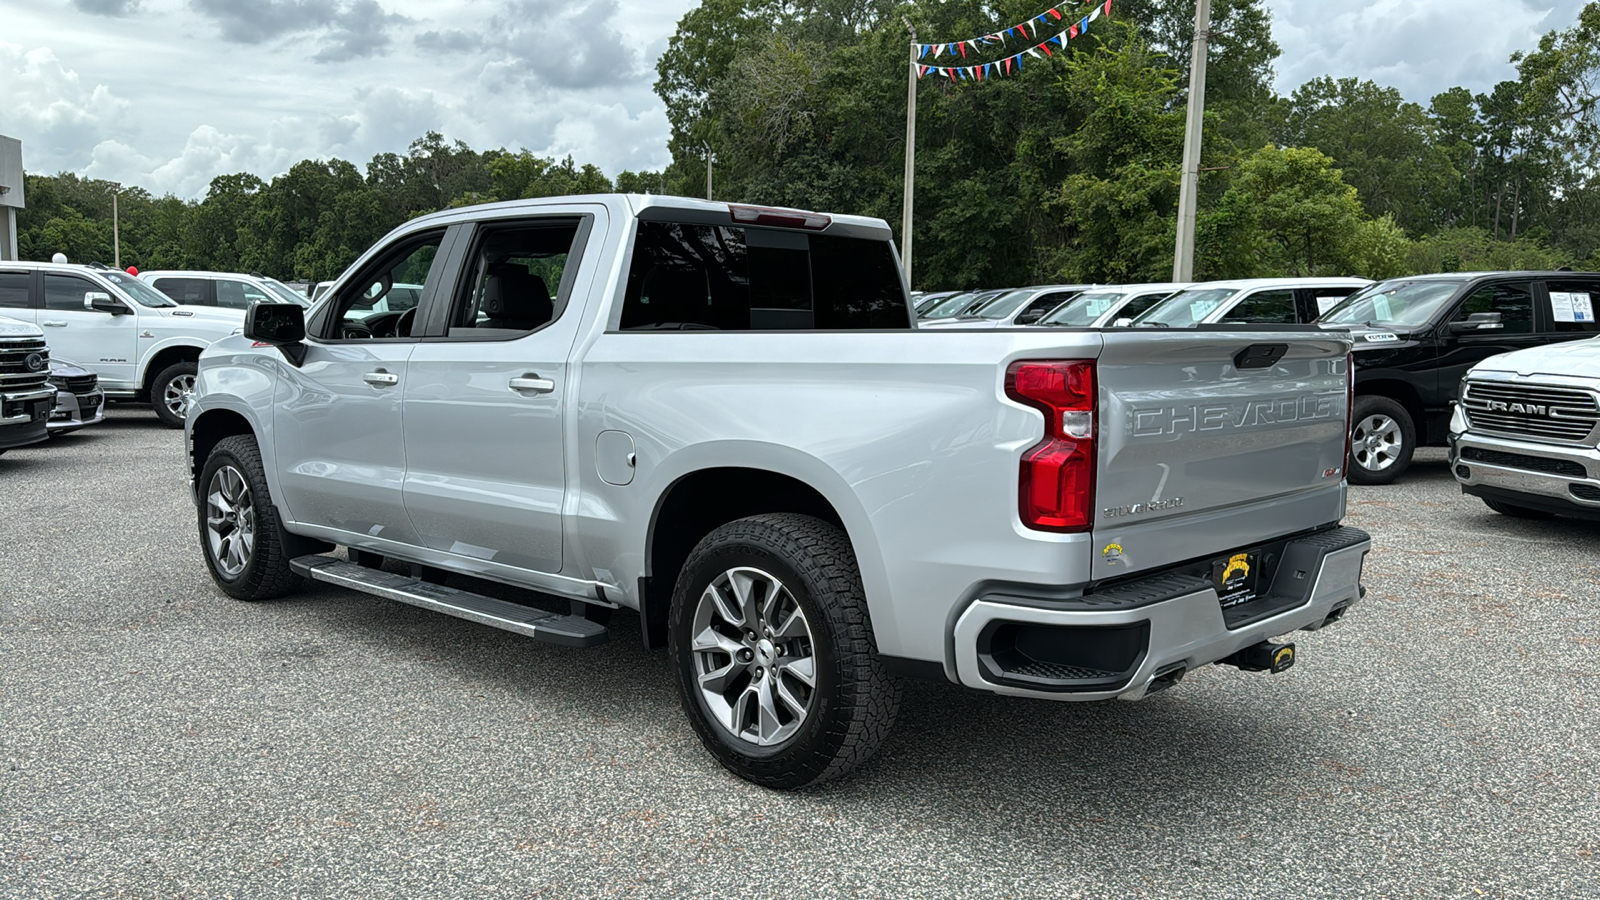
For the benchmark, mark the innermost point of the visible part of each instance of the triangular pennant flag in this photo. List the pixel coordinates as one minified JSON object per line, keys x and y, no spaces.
{"x":1073,"y":31}
{"x":1084,"y":25}
{"x":1108,"y":7}
{"x":1093,"y":15}
{"x":937,"y":49}
{"x":921,"y":71}
{"x":1056,"y":14}
{"x":1046,"y":48}
{"x":1008,"y":65}
{"x":963,"y":46}
{"x":1033,"y":51}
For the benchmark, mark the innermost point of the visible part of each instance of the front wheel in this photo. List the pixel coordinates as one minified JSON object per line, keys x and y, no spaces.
{"x":245,"y":547}
{"x":1382,"y":440}
{"x":777,"y":667}
{"x":171,"y":392}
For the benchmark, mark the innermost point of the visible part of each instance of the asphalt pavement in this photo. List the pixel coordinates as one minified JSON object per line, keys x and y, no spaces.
{"x":159,"y":739}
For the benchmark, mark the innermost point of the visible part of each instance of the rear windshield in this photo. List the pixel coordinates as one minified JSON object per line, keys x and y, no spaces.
{"x":718,"y":277}
{"x":1185,"y":308}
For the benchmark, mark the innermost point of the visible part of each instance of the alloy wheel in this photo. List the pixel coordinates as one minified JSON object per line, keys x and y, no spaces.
{"x":177,"y":395}
{"x":754,"y":657}
{"x":1376,"y":442}
{"x":230,"y":521}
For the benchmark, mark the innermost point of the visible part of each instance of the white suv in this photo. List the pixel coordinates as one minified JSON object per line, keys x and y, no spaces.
{"x":141,"y":344}
{"x":229,"y":290}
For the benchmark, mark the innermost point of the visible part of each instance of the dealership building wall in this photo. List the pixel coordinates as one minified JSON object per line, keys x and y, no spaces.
{"x":11,"y":197}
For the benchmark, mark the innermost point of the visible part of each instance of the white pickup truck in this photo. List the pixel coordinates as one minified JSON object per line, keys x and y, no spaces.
{"x":720,"y":418}
{"x":141,"y":344}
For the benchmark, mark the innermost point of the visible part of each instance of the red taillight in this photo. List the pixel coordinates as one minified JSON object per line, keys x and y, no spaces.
{"x":779,"y":218}
{"x":1056,"y":488}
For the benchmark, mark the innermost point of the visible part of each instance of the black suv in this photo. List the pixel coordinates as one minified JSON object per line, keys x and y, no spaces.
{"x":1416,"y":337}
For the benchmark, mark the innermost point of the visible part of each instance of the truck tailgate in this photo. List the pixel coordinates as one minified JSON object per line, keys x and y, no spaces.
{"x":1204,"y":450}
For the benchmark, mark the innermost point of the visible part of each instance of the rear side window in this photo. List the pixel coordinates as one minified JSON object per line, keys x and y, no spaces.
{"x":14,"y":290}
{"x":1263,"y":308}
{"x":188,"y":291}
{"x":725,"y":278}
{"x":1514,"y":303}
{"x":1572,"y":306}
{"x":239,"y":294}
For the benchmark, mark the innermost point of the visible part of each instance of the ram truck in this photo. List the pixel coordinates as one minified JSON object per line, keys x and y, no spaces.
{"x":721,"y":420}
{"x":1525,"y":437}
{"x":26,"y":395}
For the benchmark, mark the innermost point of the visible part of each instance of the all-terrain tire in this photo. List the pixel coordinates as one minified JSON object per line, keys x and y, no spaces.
{"x":854,"y":700}
{"x":169,"y":392}
{"x":265,"y":571}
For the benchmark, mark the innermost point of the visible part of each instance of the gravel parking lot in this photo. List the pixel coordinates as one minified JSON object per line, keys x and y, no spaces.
{"x":157,"y":738}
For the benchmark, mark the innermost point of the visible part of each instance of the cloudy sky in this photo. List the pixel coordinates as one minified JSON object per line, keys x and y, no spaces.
{"x":166,"y":94}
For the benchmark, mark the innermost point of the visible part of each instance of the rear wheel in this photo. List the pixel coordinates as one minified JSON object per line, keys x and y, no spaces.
{"x":1382,"y":440}
{"x":245,"y":547}
{"x":776,"y":662}
{"x":171,"y":392}
{"x":1515,"y":511}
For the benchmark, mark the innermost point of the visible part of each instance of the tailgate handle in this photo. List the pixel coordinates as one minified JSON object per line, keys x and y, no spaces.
{"x":1259,"y":356}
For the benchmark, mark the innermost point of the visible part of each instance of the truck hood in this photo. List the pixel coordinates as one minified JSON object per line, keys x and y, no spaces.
{"x":1573,"y":358}
{"x":12,"y":328}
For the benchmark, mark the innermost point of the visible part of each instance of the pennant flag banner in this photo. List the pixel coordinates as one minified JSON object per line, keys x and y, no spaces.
{"x":1026,"y":31}
{"x":1013,"y":63}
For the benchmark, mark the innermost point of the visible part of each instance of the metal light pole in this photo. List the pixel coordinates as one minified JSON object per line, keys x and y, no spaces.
{"x":116,"y":236}
{"x":911,"y":155}
{"x":1189,"y":192}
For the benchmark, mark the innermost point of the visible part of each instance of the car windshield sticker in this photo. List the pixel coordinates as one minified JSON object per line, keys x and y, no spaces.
{"x":1326,"y":303}
{"x":1199,"y":308}
{"x":1571,"y":307}
{"x":1380,"y":305}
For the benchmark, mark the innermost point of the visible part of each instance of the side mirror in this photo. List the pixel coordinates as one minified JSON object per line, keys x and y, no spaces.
{"x":1483,"y":321}
{"x":282,"y":325}
{"x":100,"y":301}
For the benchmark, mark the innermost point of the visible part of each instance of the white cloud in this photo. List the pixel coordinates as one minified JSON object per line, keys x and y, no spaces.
{"x":51,"y":104}
{"x":1422,"y":47}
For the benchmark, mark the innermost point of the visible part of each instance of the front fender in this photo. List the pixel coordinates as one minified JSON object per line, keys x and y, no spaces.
{"x":241,"y":383}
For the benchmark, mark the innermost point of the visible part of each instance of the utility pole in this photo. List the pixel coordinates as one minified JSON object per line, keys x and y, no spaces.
{"x":911,"y":155}
{"x":708,"y":168}
{"x":1189,"y":192}
{"x":116,"y":236}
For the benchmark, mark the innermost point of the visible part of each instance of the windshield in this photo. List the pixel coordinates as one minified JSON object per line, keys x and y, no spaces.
{"x":1005,"y":304}
{"x":288,"y":294}
{"x":1186,"y":308}
{"x":142,"y":293}
{"x":1394,"y":303}
{"x":1084,"y":308}
{"x":949,"y":306}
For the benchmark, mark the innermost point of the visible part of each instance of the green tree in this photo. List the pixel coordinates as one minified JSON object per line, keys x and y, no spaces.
{"x":1291,"y":210}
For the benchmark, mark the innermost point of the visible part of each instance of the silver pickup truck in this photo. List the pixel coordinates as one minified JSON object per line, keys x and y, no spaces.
{"x":720,"y":419}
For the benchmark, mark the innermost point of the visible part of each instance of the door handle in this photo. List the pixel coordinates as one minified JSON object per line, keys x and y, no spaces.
{"x":54,"y":324}
{"x":533,"y":384}
{"x":380,"y":378}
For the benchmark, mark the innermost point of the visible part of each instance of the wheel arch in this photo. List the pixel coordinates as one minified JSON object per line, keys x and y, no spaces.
{"x":208,"y":429}
{"x":699,"y":499}
{"x":1403,"y":393}
{"x":164,"y":357}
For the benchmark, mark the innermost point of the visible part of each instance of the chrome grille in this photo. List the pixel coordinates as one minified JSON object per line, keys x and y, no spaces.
{"x":14,"y":372}
{"x":1535,"y":411}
